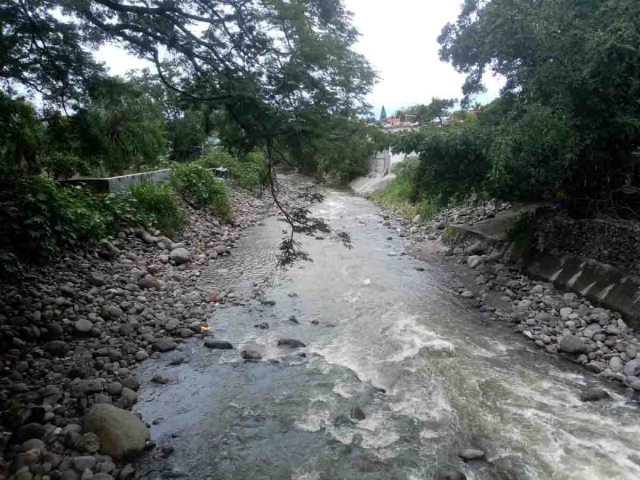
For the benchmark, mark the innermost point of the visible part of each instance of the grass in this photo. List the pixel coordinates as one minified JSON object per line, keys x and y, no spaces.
{"x":161,"y":201}
{"x":395,"y":197}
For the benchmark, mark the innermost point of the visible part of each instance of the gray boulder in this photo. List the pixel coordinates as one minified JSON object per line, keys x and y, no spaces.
{"x":291,"y":343}
{"x":593,"y":395}
{"x":632,"y":368}
{"x":573,"y":344}
{"x":121,"y":433}
{"x":180,"y":256}
{"x":470,"y":454}
{"x":450,"y":475}
{"x":217,"y":344}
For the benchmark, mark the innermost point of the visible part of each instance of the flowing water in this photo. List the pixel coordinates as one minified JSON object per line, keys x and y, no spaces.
{"x":371,"y":321}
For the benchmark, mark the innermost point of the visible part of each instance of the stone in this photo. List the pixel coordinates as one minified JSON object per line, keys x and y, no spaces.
{"x":470,"y":454}
{"x":565,"y":312}
{"x":111,"y":311}
{"x":96,"y":279}
{"x":632,"y":368}
{"x":102,"y":476}
{"x":34,"y":444}
{"x":82,"y":463}
{"x":121,"y":433}
{"x":249,"y":354}
{"x":594,"y":394}
{"x":474,"y":261}
{"x":129,"y":395}
{"x":83,"y":326}
{"x":69,"y":475}
{"x":171,"y":325}
{"x":291,"y":343}
{"x":149,"y":282}
{"x":30,"y":430}
{"x":573,"y":344}
{"x":57,"y":348}
{"x":616,"y":364}
{"x":358,"y":414}
{"x":217,"y":344}
{"x":131,"y":382}
{"x":164,"y":345}
{"x":477,"y":248}
{"x":450,"y":475}
{"x":180,"y":256}
{"x":467,"y":294}
{"x":89,"y":442}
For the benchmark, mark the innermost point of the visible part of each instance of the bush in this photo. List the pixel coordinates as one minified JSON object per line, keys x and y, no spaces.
{"x":250,"y":171}
{"x":162,"y":205}
{"x":200,"y":188}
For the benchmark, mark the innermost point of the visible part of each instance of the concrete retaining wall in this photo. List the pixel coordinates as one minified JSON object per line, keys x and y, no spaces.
{"x":602,"y":284}
{"x":123,"y":182}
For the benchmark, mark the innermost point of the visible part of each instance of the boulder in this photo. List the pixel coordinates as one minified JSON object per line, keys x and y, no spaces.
{"x":291,"y":343}
{"x":121,"y":433}
{"x":180,"y":256}
{"x":470,"y":454}
{"x":217,"y":344}
{"x":594,"y":394}
{"x":83,"y":326}
{"x":249,"y":354}
{"x":632,"y":368}
{"x":164,"y":345}
{"x":573,"y":344}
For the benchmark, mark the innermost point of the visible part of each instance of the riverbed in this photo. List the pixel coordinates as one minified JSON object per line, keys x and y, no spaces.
{"x":386,"y":334}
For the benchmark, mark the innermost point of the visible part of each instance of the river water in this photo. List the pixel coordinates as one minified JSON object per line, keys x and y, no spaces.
{"x":372,"y":321}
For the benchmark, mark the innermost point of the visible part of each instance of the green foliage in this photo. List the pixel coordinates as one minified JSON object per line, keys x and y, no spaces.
{"x":571,"y":67}
{"x":200,"y":188}
{"x":20,"y":137}
{"x":453,"y":161}
{"x":438,"y":109}
{"x":397,"y":195}
{"x":250,"y":171}
{"x":161,"y":204}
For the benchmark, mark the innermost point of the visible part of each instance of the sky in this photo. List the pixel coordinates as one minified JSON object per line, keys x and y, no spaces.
{"x":399,"y":38}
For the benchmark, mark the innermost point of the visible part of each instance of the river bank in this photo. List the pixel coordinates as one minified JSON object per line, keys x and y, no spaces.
{"x":561,"y":323}
{"x":73,"y":333}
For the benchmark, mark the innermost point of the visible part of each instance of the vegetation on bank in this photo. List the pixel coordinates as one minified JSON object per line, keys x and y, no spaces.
{"x":566,"y":127}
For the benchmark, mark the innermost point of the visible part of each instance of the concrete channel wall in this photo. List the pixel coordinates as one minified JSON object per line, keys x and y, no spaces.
{"x":123,"y":182}
{"x":601,"y":284}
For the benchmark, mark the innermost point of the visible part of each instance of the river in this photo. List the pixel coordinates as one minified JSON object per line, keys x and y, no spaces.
{"x":372,"y":322}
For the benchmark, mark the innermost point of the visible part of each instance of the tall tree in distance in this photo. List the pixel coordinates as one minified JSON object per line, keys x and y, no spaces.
{"x":383,"y":114}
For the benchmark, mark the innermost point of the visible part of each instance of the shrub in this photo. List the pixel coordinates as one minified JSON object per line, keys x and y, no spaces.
{"x":249,"y":171}
{"x":200,"y":188}
{"x":162,"y":205}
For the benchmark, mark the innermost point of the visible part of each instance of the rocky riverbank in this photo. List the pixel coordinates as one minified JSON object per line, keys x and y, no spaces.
{"x":560,"y":323}
{"x":72,"y":334}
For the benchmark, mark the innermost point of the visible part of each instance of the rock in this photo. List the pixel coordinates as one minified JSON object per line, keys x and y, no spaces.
{"x":111,"y":311}
{"x":565,"y":312}
{"x":594,"y":394}
{"x":450,"y":475}
{"x":635,"y":385}
{"x":477,"y":248}
{"x":180,"y":256}
{"x":102,"y":476}
{"x":130,"y":396}
{"x":127,"y":472}
{"x":164,"y":345}
{"x":249,"y":354}
{"x":57,"y":348}
{"x":89,"y":442}
{"x":357,"y":413}
{"x":69,"y":475}
{"x":616,"y":364}
{"x":217,"y":344}
{"x":30,"y":430}
{"x":471,"y":454}
{"x":474,"y":260}
{"x":83,"y":326}
{"x":34,"y":444}
{"x":131,"y":382}
{"x":572,"y":344}
{"x":121,"y":433}
{"x":82,"y":463}
{"x":171,"y":325}
{"x":114,"y":388}
{"x":632,"y":368}
{"x":96,"y":279}
{"x":149,"y":282}
{"x":467,"y":294}
{"x":416,"y":219}
{"x":160,"y":380}
{"x":291,"y":343}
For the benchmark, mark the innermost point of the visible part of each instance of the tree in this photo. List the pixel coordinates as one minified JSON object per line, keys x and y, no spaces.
{"x":383,"y":114}
{"x":424,"y":114}
{"x":577,"y":60}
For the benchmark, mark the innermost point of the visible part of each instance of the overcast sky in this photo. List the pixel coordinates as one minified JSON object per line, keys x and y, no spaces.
{"x":399,"y":39}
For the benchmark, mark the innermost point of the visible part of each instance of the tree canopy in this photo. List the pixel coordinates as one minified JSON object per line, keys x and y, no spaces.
{"x":438,"y":109}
